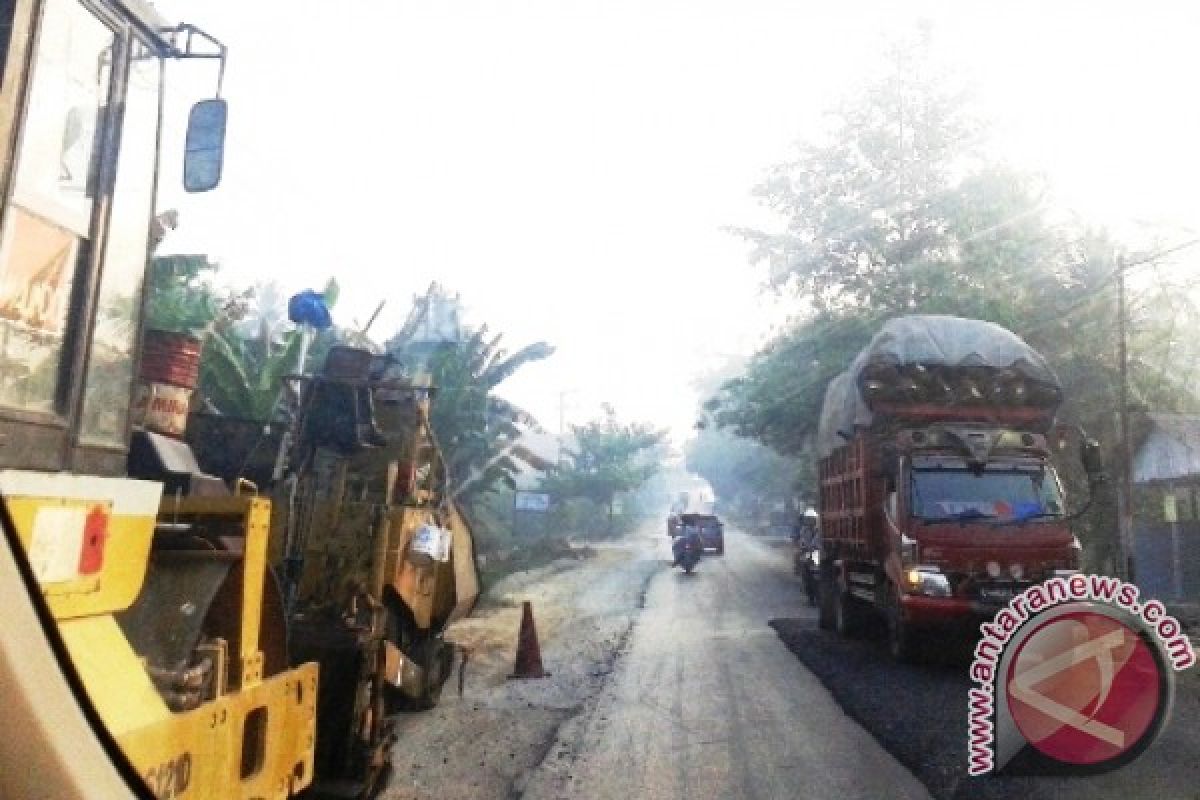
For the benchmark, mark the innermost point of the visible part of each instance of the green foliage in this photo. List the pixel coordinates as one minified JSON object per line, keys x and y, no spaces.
{"x":243,"y":377}
{"x":609,"y":458}
{"x":777,"y":400}
{"x":182,"y":298}
{"x":477,"y":430}
{"x":745,"y":475}
{"x":243,"y":368}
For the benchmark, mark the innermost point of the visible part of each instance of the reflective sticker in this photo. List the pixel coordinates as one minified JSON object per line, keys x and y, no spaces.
{"x":56,"y":543}
{"x":95,"y":533}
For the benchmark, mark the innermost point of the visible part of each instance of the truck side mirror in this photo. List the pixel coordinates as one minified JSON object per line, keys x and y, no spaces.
{"x":1093,"y":461}
{"x":204,"y":150}
{"x":889,"y":466}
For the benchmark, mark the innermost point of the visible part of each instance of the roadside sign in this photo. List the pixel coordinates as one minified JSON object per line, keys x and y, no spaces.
{"x":532,"y":501}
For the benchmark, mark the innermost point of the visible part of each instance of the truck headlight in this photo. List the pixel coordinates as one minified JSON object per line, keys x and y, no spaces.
{"x":928,"y":581}
{"x":816,"y":558}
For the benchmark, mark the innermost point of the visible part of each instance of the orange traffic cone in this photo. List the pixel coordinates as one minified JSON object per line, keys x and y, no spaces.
{"x":529,"y":653}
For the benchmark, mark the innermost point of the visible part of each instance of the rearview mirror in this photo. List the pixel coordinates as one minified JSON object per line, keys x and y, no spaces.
{"x":204,"y":150}
{"x":1093,"y":460}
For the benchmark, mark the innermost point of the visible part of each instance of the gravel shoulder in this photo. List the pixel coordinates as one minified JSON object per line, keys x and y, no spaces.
{"x":483,"y":744}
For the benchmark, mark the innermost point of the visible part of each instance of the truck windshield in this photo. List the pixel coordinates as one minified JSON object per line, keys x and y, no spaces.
{"x":1010,"y":494}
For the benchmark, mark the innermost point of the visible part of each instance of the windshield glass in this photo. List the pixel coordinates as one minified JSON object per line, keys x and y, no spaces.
{"x":1006,"y":494}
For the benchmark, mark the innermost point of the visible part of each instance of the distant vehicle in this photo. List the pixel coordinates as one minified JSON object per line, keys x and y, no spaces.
{"x":938,"y":500}
{"x":709,"y":528}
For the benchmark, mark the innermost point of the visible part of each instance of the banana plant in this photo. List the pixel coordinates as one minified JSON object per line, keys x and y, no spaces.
{"x":479,"y":431}
{"x":242,"y":375}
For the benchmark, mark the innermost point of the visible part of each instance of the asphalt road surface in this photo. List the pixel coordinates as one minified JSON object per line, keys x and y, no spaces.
{"x":707,"y":701}
{"x":718,"y":685}
{"x":919,"y":713}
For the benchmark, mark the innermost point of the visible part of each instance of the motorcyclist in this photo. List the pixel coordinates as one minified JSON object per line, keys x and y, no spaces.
{"x":689,"y":532}
{"x":806,"y":536}
{"x":804,"y":530}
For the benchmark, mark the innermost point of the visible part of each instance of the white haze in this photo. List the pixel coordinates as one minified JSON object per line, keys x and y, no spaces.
{"x":568,"y":166}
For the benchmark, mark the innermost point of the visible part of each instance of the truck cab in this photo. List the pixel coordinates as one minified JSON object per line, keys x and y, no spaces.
{"x":973,"y":533}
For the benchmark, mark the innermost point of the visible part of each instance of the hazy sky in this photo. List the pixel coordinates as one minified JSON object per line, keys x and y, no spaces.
{"x":568,"y":165}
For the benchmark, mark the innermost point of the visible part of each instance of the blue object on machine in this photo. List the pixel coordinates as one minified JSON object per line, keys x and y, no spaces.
{"x":308,"y":308}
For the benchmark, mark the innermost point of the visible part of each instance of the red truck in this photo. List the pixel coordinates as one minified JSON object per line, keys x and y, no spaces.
{"x":938,"y":501}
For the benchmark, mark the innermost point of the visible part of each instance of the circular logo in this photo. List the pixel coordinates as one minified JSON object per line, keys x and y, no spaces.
{"x":1086,"y":688}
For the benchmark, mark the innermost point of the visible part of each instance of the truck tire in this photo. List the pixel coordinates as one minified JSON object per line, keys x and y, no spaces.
{"x":721,"y":547}
{"x":903,"y":641}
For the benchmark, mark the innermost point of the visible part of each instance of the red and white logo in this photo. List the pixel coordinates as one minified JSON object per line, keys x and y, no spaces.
{"x":1085,"y":688}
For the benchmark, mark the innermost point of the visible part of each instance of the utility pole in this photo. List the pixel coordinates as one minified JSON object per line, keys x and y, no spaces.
{"x":1125,"y":450}
{"x":562,"y":419}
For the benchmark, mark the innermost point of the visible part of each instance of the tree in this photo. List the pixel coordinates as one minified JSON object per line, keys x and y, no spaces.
{"x":181,"y":297}
{"x":745,"y":474}
{"x":897,"y":211}
{"x":609,"y":457}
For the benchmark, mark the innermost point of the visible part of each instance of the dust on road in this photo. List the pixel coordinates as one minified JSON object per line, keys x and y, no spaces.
{"x":482,"y":744}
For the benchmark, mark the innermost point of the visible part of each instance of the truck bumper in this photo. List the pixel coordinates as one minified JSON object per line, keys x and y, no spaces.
{"x":934,"y":611}
{"x":947,"y":612}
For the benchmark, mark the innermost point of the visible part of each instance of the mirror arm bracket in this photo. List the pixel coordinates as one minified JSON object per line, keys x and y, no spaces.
{"x":186,"y":41}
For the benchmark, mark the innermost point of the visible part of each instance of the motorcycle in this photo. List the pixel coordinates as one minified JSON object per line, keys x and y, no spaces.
{"x":687,"y":548}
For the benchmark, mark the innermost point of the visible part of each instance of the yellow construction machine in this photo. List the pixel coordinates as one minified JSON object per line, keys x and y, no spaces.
{"x":372,"y":559}
{"x":232,"y":643}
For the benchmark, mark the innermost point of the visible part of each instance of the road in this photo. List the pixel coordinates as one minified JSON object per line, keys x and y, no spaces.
{"x":918,"y":712}
{"x":707,"y":702}
{"x":717,"y":685}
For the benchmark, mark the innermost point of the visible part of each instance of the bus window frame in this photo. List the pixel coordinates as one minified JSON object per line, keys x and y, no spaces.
{"x":51,"y":440}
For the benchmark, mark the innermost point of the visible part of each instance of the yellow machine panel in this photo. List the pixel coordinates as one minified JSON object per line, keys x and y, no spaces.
{"x":205,"y":717}
{"x":87,"y":540}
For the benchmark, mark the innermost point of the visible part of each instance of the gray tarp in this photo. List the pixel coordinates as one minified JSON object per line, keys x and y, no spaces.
{"x":928,"y":340}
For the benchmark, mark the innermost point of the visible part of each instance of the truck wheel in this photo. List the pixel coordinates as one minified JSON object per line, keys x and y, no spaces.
{"x":903,"y":641}
{"x":721,"y":547}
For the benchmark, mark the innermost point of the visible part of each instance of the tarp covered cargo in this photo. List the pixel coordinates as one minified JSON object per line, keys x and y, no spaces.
{"x":930,"y":341}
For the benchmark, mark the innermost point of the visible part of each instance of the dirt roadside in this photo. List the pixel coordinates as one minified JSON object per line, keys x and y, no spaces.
{"x":483,"y":744}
